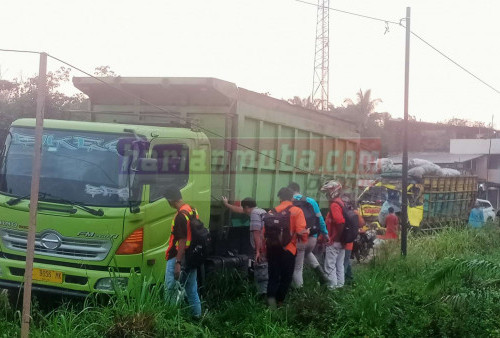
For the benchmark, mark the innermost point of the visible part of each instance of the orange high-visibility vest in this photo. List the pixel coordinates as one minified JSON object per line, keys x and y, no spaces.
{"x":171,"y":243}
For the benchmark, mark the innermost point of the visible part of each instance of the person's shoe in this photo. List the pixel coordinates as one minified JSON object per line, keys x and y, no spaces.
{"x":321,"y":275}
{"x":271,"y":301}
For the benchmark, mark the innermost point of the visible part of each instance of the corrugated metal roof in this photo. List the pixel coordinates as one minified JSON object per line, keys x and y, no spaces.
{"x":435,"y":157}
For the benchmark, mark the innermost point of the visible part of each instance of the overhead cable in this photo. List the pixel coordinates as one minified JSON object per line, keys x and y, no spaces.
{"x":400,"y":23}
{"x":455,"y":63}
{"x":19,"y":51}
{"x":350,"y":13}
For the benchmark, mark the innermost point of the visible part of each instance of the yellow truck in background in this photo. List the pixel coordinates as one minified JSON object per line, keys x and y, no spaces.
{"x":431,"y":200}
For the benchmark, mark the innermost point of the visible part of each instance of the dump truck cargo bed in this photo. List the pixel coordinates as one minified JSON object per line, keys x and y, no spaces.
{"x":259,"y":144}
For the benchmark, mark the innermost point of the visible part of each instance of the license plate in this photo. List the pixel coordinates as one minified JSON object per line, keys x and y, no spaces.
{"x":47,"y":275}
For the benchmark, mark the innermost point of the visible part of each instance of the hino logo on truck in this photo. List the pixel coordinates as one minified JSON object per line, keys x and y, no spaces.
{"x":94,"y":235}
{"x":51,"y":241}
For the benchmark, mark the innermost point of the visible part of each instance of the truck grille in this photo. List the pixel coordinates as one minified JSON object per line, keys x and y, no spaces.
{"x":73,"y":248}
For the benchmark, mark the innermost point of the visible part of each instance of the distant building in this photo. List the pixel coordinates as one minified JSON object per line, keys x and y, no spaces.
{"x":426,"y":136}
{"x":487,"y":167}
{"x":466,"y":149}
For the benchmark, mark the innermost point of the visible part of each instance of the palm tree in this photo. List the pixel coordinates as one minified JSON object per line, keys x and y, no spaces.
{"x":363,"y":108}
{"x":306,"y":103}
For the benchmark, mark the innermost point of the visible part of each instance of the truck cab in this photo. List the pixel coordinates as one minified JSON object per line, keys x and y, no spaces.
{"x":101,"y":217}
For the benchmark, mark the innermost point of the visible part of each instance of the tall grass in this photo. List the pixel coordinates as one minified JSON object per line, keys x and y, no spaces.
{"x":448,"y":285}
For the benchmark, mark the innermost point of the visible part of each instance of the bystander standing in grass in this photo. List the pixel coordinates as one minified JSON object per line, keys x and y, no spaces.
{"x":180,"y":238}
{"x":335,"y":252}
{"x":249,"y":207}
{"x":391,"y":225}
{"x":280,"y":252}
{"x":304,"y":249}
{"x":349,"y":246}
{"x":476,"y":217}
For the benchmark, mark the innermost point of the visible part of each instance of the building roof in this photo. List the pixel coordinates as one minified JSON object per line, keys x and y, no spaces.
{"x":435,"y":157}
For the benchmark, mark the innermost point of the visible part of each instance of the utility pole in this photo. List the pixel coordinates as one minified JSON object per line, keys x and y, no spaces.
{"x":35,"y":185}
{"x":404,"y":188}
{"x":321,"y":74}
{"x":488,"y":159}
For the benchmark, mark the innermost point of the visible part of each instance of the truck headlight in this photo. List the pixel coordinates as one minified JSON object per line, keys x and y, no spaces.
{"x":111,"y":283}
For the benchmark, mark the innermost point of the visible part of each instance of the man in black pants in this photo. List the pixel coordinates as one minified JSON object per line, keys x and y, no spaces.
{"x":281,"y":252}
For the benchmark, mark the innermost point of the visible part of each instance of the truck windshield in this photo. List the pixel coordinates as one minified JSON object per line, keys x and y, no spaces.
{"x":79,"y":166}
{"x":374,"y":195}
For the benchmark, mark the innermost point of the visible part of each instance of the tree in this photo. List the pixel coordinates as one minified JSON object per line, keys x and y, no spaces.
{"x":368,"y":122}
{"x":455,"y":121}
{"x":18,"y":98}
{"x":104,"y":71}
{"x":305,"y":103}
{"x":362,"y":109}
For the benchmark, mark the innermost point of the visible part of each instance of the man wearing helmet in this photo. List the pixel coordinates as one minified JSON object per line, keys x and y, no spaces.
{"x":334,"y":253}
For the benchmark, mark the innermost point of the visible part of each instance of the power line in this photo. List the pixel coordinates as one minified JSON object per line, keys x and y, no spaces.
{"x":455,"y":63}
{"x":19,"y":51}
{"x":414,"y":34}
{"x":177,"y":116}
{"x":157,"y":107}
{"x":351,"y":13}
{"x":244,"y":146}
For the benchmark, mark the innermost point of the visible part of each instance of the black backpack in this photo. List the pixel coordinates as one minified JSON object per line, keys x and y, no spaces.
{"x":312,"y":221}
{"x":197,"y":251}
{"x":351,"y":225}
{"x":277,"y":228}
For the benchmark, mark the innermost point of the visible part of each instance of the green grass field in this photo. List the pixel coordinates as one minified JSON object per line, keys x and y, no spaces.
{"x":447,"y":286}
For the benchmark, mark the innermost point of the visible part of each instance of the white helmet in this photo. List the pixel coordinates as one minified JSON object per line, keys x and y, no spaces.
{"x":332,"y":189}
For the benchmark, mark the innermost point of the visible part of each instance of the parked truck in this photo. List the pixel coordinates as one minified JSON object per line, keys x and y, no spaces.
{"x":431,"y":200}
{"x":101,"y":215}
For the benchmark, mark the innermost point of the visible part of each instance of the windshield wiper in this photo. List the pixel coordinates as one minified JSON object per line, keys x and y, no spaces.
{"x":79,"y":205}
{"x":15,"y":200}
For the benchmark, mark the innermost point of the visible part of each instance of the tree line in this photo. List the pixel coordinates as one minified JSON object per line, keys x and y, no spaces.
{"x":18,"y":96}
{"x":18,"y":99}
{"x":361,"y":111}
{"x":369,"y":122}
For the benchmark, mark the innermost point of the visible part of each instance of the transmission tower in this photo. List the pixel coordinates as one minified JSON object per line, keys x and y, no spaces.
{"x":319,"y":95}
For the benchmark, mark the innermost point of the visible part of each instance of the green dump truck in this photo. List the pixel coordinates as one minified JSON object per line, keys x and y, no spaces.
{"x":101,"y":217}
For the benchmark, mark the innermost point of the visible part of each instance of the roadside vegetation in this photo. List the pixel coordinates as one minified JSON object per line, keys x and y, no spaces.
{"x":449,"y":285}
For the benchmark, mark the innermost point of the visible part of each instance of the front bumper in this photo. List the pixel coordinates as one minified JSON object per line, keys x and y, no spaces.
{"x":6,"y":284}
{"x":78,"y":280}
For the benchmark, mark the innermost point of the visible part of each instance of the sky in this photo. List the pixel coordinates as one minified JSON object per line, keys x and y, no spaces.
{"x":268,"y":46}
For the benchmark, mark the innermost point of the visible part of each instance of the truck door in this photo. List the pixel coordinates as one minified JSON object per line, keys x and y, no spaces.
{"x":173,"y":159}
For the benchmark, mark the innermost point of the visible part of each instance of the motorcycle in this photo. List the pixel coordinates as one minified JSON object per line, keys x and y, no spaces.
{"x":363,"y":244}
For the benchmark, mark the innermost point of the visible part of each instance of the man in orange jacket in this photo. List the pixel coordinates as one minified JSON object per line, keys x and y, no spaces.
{"x":281,"y":259}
